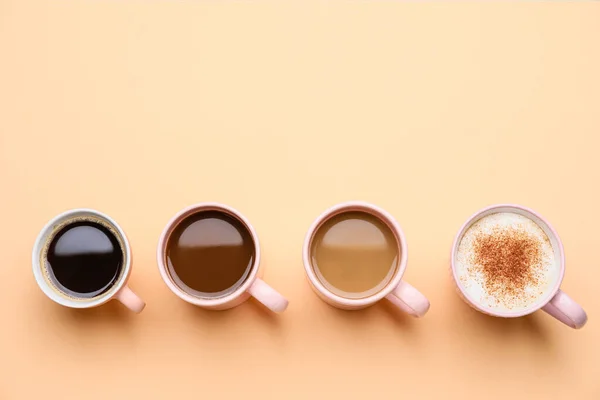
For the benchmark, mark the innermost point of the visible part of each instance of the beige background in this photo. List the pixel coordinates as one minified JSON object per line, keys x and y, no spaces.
{"x":282,"y":109}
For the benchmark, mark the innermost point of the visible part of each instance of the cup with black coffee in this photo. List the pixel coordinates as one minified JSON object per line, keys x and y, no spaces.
{"x":82,"y":259}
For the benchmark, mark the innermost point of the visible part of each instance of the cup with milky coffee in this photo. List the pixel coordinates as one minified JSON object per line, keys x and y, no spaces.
{"x":209,"y":255}
{"x":355,"y":254}
{"x":82,"y":259}
{"x":507,"y":261}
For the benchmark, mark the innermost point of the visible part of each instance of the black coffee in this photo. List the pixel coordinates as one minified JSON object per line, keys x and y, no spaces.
{"x":84,"y":259}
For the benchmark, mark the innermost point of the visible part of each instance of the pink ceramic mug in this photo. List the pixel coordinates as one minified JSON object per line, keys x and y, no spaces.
{"x":398,"y":292}
{"x":118,"y":291}
{"x":253,"y":285}
{"x":555,"y":302}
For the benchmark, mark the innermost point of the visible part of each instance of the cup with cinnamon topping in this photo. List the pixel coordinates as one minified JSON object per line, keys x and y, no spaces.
{"x":508,"y":261}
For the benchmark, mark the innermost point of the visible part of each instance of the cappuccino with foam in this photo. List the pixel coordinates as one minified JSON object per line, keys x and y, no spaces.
{"x":505,"y":262}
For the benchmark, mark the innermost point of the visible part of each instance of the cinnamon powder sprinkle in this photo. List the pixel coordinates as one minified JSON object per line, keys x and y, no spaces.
{"x":509,"y":261}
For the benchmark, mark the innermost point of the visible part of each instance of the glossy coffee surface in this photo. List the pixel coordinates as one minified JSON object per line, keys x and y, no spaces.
{"x":210,"y":254}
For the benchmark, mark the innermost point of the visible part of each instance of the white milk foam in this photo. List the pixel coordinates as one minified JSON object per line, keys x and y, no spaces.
{"x":472,"y":280}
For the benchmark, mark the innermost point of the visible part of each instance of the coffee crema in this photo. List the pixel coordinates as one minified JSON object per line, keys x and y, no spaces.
{"x":83,"y":258}
{"x":354,"y":254}
{"x":210,"y":254}
{"x":505,"y":261}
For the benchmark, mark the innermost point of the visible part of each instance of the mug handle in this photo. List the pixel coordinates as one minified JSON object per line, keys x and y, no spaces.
{"x":130,"y":300}
{"x":268,"y":296}
{"x":409,"y":300}
{"x":566,"y":310}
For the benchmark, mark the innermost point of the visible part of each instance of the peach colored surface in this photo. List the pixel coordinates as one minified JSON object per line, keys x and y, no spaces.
{"x":282,"y":109}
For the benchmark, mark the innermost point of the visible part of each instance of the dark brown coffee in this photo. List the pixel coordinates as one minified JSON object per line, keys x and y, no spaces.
{"x":84,"y":258}
{"x":210,"y":254}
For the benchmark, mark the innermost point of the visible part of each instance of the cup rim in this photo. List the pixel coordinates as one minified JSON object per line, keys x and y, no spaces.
{"x":39,"y":246}
{"x":376,"y":211}
{"x":474,"y":218}
{"x":162,"y":244}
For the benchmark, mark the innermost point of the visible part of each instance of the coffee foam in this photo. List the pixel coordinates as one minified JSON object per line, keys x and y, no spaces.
{"x":44,"y":255}
{"x":545,"y":270}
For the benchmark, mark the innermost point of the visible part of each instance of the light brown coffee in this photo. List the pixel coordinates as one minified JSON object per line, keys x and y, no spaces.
{"x":210,"y":254}
{"x":354,"y":254}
